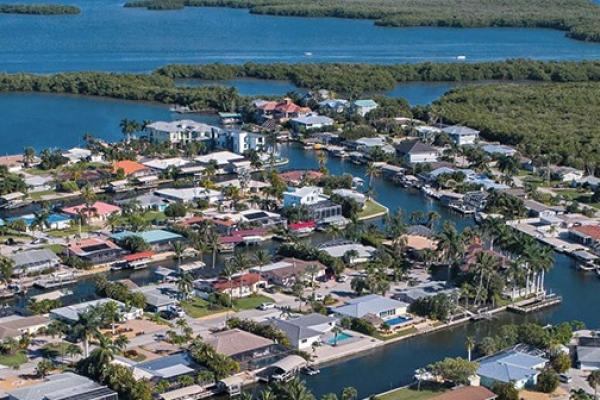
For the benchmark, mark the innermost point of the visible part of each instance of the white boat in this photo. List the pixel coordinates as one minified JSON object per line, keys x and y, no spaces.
{"x":461,"y":58}
{"x":308,"y":54}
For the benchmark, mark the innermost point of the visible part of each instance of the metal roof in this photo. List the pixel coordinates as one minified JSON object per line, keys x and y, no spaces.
{"x":30,"y":257}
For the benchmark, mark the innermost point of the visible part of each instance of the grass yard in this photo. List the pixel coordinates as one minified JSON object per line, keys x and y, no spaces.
{"x":411,"y":394}
{"x":151,"y":216}
{"x":13,"y":360}
{"x":56,"y":248}
{"x":251,"y":302}
{"x":198,"y":308}
{"x":395,"y":335}
{"x":71,"y":231}
{"x":372,"y":210}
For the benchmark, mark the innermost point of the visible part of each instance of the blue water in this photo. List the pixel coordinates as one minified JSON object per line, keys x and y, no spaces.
{"x":106,"y":36}
{"x":246,"y":87}
{"x":49,"y":121}
{"x":422,"y":93}
{"x":340,"y":338}
{"x":397,"y":321}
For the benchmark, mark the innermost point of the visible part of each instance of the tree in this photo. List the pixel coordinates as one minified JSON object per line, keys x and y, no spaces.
{"x":561,"y":362}
{"x":292,"y":390}
{"x":547,"y":381}
{"x":111,"y":313}
{"x":185,"y":285}
{"x":594,"y":381}
{"x":456,"y":370}
{"x":470,"y":344}
{"x":176,"y":210}
{"x":6,"y":269}
{"x":28,"y":156}
{"x":43,"y":367}
{"x":349,"y":393}
{"x":262,"y":258}
{"x":505,"y":391}
{"x":87,"y":328}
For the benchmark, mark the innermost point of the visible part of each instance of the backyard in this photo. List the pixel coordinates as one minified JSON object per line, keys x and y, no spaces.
{"x":372,"y":209}
{"x":198,"y":308}
{"x":411,"y":393}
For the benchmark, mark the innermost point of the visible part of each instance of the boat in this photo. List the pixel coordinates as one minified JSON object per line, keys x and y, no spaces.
{"x":461,"y":58}
{"x":308,"y":54}
{"x":310,"y":371}
{"x":587,"y":266}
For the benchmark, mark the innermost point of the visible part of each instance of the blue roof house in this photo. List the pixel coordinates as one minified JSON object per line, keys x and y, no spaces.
{"x":158,"y":239}
{"x":521,"y":369}
{"x":362,"y":107}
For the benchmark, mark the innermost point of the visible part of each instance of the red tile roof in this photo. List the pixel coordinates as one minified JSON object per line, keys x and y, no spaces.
{"x":247,"y":279}
{"x":99,"y":208}
{"x":302,"y":225}
{"x":83,"y":246}
{"x":138,"y":256}
{"x":128,"y":166}
{"x":592,"y":231}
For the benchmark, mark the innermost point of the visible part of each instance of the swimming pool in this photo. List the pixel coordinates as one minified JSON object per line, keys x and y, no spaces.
{"x":340,"y":338}
{"x":397,"y":321}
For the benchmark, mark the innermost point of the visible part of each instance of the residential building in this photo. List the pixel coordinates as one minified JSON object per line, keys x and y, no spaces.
{"x":182,"y":131}
{"x":588,"y":357}
{"x":162,"y":164}
{"x":334,"y":105}
{"x":461,"y":135}
{"x":342,"y":249}
{"x":190,"y":195}
{"x":225,"y":161}
{"x":373,"y":304}
{"x":499,"y":149}
{"x":65,"y":386}
{"x":424,"y":290}
{"x":537,"y":209}
{"x":240,"y":345}
{"x":14,"y":163}
{"x":467,"y":393}
{"x":131,"y":169}
{"x":363,"y":107}
{"x":158,"y":239}
{"x":37,"y":183}
{"x":305,"y":331}
{"x":281,"y":111}
{"x":95,"y":250}
{"x":287,"y":271}
{"x":512,"y":366}
{"x":15,"y":326}
{"x":70,"y":314}
{"x":241,"y":285}
{"x":358,"y":197}
{"x":96,"y":213}
{"x":12,"y":200}
{"x":295,"y":178}
{"x":426,"y":133}
{"x":566,"y":174}
{"x":250,"y":185}
{"x":77,"y":154}
{"x":31,"y":261}
{"x":167,"y":368}
{"x":413,"y":151}
{"x":311,"y":122}
{"x":54,"y":221}
{"x":239,"y":142}
{"x":159,"y":297}
{"x":307,"y":195}
{"x":587,"y":235}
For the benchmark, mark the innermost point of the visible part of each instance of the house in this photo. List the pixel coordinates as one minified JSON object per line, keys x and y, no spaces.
{"x":225,"y":161}
{"x":65,"y":386}
{"x":148,"y":202}
{"x":163,"y":164}
{"x":425,"y":290}
{"x":158,"y":239}
{"x":37,"y":183}
{"x":461,"y":135}
{"x":96,"y":213}
{"x":306,"y":195}
{"x":240,"y":142}
{"x":587,"y":235}
{"x":182,"y":131}
{"x":12,"y":200}
{"x":333,"y":105}
{"x":499,"y":150}
{"x":467,"y":393}
{"x":341,"y":249}
{"x":537,"y":209}
{"x":281,"y":111}
{"x":287,"y":271}
{"x":588,"y":358}
{"x":358,"y":197}
{"x":94,"y":250}
{"x":240,"y":345}
{"x":363,"y":107}
{"x":13,"y":163}
{"x":53,"y":221}
{"x":70,"y":314}
{"x":295,"y":178}
{"x":373,"y":304}
{"x":416,"y":152}
{"x":305,"y":331}
{"x":311,"y":122}
{"x":31,"y":261}
{"x":426,"y":133}
{"x":250,"y":185}
{"x":241,"y":285}
{"x":190,"y":195}
{"x":132,"y":169}
{"x":15,"y":326}
{"x":77,"y":154}
{"x":167,"y":368}
{"x":512,"y":366}
{"x":159,"y":297}
{"x":566,"y":174}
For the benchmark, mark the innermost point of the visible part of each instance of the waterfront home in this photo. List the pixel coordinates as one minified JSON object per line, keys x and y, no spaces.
{"x":168,"y":368}
{"x":358,"y":197}
{"x":537,"y":209}
{"x":240,"y":142}
{"x":240,"y":345}
{"x":190,"y":195}
{"x":241,"y":285}
{"x":130,"y":169}
{"x":295,"y":178}
{"x":12,"y":200}
{"x":366,"y":145}
{"x":77,"y":154}
{"x":96,"y":213}
{"x":32,"y":261}
{"x":225,"y":161}
{"x":38,"y":183}
{"x":467,"y":393}
{"x":363,"y":106}
{"x":306,"y":195}
{"x":499,"y":150}
{"x":425,"y":290}
{"x":416,"y":152}
{"x":14,"y":163}
{"x":158,"y":239}
{"x":159,"y":297}
{"x":461,"y":135}
{"x":64,"y":386}
{"x":54,"y":221}
{"x":305,"y":331}
{"x":70,"y":314}
{"x":147,"y":202}
{"x":311,"y":122}
{"x":280,"y":111}
{"x":287,"y":271}
{"x":426,"y":133}
{"x":374,"y":304}
{"x":511,"y":366}
{"x":250,"y":186}
{"x":162,"y":164}
{"x":587,"y":235}
{"x":15,"y":326}
{"x":94,"y":250}
{"x":351,"y":252}
{"x":180,"y":132}
{"x":566,"y":174}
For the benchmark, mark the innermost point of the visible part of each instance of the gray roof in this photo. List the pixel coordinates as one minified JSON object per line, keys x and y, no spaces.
{"x":72,"y":312}
{"x":299,"y":328}
{"x":419,"y":230}
{"x":371,"y":304}
{"x":59,"y":386}
{"x":415,"y":147}
{"x":460,"y":130}
{"x":31,"y":257}
{"x":511,"y":366}
{"x":588,"y":354}
{"x":169,"y":366}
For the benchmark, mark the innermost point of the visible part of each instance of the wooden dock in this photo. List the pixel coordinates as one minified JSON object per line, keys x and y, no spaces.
{"x":535,"y":304}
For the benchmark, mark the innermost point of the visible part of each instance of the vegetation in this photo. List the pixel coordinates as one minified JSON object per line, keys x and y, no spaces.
{"x":118,"y":291}
{"x":39,"y":9}
{"x":410,"y":393}
{"x":456,"y":370}
{"x":220,"y":365}
{"x":264,"y":330}
{"x":547,"y":381}
{"x":581,"y":19}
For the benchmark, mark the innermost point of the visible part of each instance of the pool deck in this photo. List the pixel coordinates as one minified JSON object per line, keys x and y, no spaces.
{"x":357,"y":344}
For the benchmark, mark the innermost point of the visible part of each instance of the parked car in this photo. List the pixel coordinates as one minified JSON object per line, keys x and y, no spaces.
{"x":342,"y":278}
{"x":266,"y":306}
{"x":564,"y":378}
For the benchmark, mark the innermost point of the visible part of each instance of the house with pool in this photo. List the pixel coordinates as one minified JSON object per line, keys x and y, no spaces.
{"x":307,"y":330}
{"x":376,"y":309}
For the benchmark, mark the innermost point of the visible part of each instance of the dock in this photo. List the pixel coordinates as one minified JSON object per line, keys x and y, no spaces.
{"x":535,"y":304}
{"x":55,"y":282}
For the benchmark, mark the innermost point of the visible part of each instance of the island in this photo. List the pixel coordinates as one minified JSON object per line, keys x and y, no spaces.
{"x":39,"y":9}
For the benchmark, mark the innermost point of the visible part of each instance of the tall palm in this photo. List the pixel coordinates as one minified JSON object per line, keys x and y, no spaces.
{"x":262,"y":258}
{"x":111,"y":312}
{"x":470,"y":344}
{"x":594,"y":381}
{"x":6,"y":269}
{"x":213,"y":242}
{"x":371,"y":171}
{"x":227,"y":272}
{"x":40,"y":219}
{"x":486,"y":264}
{"x":185,"y":285}
{"x":178,"y":250}
{"x":450,"y":245}
{"x":87,"y":328}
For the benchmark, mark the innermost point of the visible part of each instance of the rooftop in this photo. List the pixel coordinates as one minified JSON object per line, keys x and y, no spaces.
{"x":511,"y":366}
{"x":592,"y":231}
{"x":91,"y":245}
{"x":151,"y":237}
{"x":414,"y":147}
{"x":99,"y":208}
{"x":129,"y":167}
{"x":29,"y":257}
{"x":370,"y":304}
{"x":459,"y":130}
{"x":61,"y":386}
{"x":169,"y":366}
{"x":236,"y":341}
{"x":72,"y":312}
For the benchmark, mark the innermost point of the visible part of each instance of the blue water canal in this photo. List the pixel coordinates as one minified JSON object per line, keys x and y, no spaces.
{"x":52,"y":120}
{"x":108,"y":37}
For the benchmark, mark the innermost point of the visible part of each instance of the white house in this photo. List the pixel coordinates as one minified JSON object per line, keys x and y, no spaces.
{"x":461,"y":135}
{"x":358,"y":197}
{"x":241,"y":141}
{"x":70,"y":314}
{"x":362,"y":107}
{"x":306,"y":195}
{"x":189,"y":195}
{"x":182,"y":131}
{"x":305,"y":331}
{"x":374,"y":304}
{"x":310,"y":122}
{"x":339,"y":249}
{"x":567,"y":174}
{"x":416,"y":152}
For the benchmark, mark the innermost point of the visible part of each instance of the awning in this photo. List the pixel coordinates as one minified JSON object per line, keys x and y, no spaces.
{"x":138,"y":256}
{"x":231,"y":381}
{"x":290,"y":363}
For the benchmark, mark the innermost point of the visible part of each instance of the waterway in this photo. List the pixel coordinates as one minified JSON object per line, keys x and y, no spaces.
{"x":108,"y":37}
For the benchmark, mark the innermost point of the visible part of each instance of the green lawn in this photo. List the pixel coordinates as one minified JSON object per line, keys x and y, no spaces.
{"x":38,"y":195}
{"x":410,"y":394}
{"x":198,"y":308}
{"x":251,"y":302}
{"x":71,"y":231}
{"x":20,"y":357}
{"x":154,"y":216}
{"x":56,"y":248}
{"x":371,"y":210}
{"x":398,"y":334}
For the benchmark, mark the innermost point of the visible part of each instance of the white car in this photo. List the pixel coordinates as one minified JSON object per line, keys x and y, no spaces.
{"x":266,"y":306}
{"x":319,"y":297}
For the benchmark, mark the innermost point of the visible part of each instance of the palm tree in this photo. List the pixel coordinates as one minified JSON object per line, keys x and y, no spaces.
{"x":486,"y":264}
{"x":6,"y":269}
{"x":262,"y":258}
{"x":432,"y":218}
{"x":41,"y":220}
{"x":178,"y":250}
{"x":227,"y":272}
{"x":312,"y":270}
{"x":43,"y":367}
{"x":336,"y":331}
{"x":111,"y":312}
{"x":349,"y":393}
{"x":371,"y":171}
{"x":470,"y":344}
{"x":594,"y":381}
{"x":113,"y":220}
{"x":213,"y":242}
{"x":185,"y":285}
{"x":28,"y":156}
{"x":87,"y":328}
{"x":128,"y":127}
